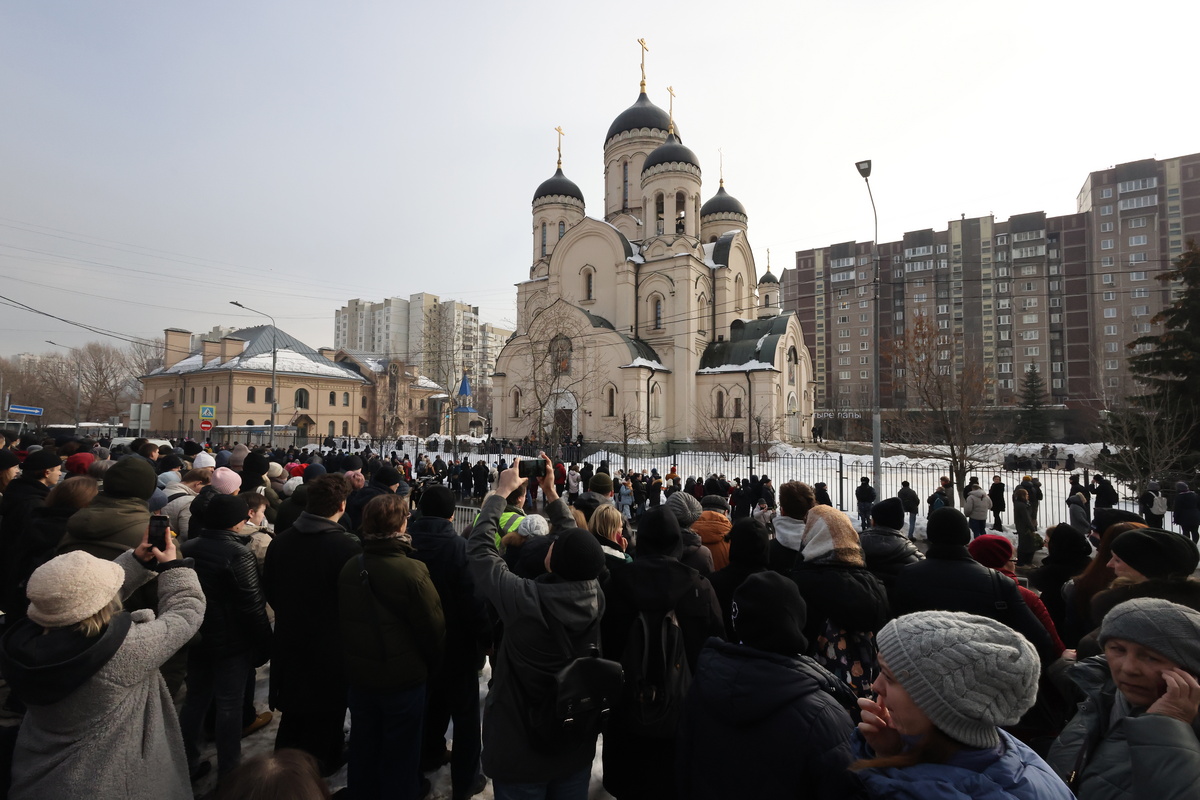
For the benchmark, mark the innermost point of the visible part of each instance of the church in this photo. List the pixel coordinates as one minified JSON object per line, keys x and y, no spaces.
{"x":649,"y":322}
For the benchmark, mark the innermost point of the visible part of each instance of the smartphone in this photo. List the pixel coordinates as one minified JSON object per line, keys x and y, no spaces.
{"x":531,"y":468}
{"x":160,"y":529}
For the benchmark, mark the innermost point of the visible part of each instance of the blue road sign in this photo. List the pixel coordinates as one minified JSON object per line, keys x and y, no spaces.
{"x":29,"y":411}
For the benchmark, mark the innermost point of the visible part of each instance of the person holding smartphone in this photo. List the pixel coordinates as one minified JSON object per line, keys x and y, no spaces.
{"x":1138,"y":732}
{"x":100,"y":721}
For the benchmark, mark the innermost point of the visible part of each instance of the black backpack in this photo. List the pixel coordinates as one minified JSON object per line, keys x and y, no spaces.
{"x":657,"y":675}
{"x":578,"y":702}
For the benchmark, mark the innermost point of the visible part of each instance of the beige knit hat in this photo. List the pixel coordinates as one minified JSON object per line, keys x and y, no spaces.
{"x":72,"y":587}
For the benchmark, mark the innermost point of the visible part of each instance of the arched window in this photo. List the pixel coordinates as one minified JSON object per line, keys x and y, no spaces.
{"x":658,"y":313}
{"x":249,"y":422}
{"x":612,"y":402}
{"x":543,"y":238}
{"x":655,"y":402}
{"x":333,"y":398}
{"x":738,"y":290}
{"x":217,"y":394}
{"x":332,"y":428}
{"x":345,"y":398}
{"x":562,"y":228}
{"x":589,"y":285}
{"x":422,"y":404}
{"x":560,"y":354}
{"x":680,"y":212}
{"x":193,"y":395}
{"x":792,"y":360}
{"x":204,"y":394}
{"x":659,"y":212}
{"x":345,"y":428}
{"x":250,"y":392}
{"x":624,"y":185}
{"x":268,"y":395}
{"x":516,"y":403}
{"x":301,"y":398}
{"x":720,"y":404}
{"x":767,"y":300}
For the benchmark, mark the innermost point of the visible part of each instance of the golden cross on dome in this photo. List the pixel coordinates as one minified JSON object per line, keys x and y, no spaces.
{"x":645,"y":49}
{"x":560,"y":133}
{"x":671,"y":110}
{"x":721,"y":153}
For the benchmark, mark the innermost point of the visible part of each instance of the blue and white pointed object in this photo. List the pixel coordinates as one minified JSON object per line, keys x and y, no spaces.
{"x":464,"y":388}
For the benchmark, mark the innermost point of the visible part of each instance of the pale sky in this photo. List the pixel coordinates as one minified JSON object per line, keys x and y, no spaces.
{"x":158,"y":160}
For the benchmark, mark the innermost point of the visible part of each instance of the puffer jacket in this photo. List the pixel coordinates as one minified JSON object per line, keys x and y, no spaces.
{"x":235,"y":619}
{"x":179,"y":508}
{"x":712,"y":527}
{"x":529,"y":654}
{"x":887,"y":551}
{"x":108,"y":527}
{"x":759,"y":706}
{"x":1148,"y":756}
{"x":977,"y":505}
{"x":1017,"y":773}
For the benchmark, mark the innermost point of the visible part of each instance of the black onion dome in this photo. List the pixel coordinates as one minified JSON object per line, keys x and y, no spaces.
{"x":558,"y":184}
{"x":642,"y":114}
{"x":669,"y":152}
{"x":722,"y":203}
{"x":768,"y":278}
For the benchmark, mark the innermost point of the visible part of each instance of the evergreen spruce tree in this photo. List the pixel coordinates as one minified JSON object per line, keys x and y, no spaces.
{"x":1034,"y":423}
{"x":1168,"y":363}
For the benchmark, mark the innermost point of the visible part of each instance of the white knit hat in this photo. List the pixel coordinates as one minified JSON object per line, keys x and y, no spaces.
{"x":72,"y":587}
{"x":203,"y":460}
{"x":969,"y":674}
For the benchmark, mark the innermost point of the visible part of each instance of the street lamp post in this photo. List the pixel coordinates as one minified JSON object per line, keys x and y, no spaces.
{"x":78,"y":383}
{"x":864,"y":169}
{"x":274,"y":350}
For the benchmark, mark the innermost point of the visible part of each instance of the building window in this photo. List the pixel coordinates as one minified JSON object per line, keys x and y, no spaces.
{"x":516,"y":403}
{"x":250,"y":394}
{"x":624,"y":184}
{"x":204,"y":394}
{"x":1111,"y":363}
{"x":589,"y":285}
{"x":345,"y":428}
{"x":562,"y":228}
{"x":1137,"y":276}
{"x":301,"y":398}
{"x":1106,"y":244}
{"x":658,"y":314}
{"x":560,"y":354}
{"x":543,"y":238}
{"x":363,"y":401}
{"x":1137,"y":241}
{"x":1109,"y":296}
{"x":1142,"y":292}
{"x":249,"y":422}
{"x":217,"y":394}
{"x":1110,"y":313}
{"x":1106,"y":227}
{"x":1136,"y":222}
{"x":1105,"y":194}
{"x":333,"y":398}
{"x":332,"y":429}
{"x":345,"y":398}
{"x":611,"y":404}
{"x":737,"y":407}
{"x":1110,"y":330}
{"x":1105,"y":211}
{"x":720,"y":405}
{"x":268,"y":395}
{"x":1107,"y":279}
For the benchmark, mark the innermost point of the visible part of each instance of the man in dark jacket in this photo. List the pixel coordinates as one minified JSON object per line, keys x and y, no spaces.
{"x":537,"y":615}
{"x":636,"y":765}
{"x":39,"y":474}
{"x":886,"y":550}
{"x":949,"y":579}
{"x":911,"y":504}
{"x":1106,"y":495}
{"x":300,"y":576}
{"x":452,"y":692}
{"x":767,"y":706}
{"x":293,"y":506}
{"x":236,"y":634}
{"x":865,"y":496}
{"x":996,"y":492}
{"x":386,"y":481}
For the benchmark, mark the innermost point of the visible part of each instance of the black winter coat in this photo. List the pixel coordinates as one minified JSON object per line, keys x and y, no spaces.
{"x":848,"y":595}
{"x":887,"y":552}
{"x":291,"y":509}
{"x":358,"y":500}
{"x":21,"y":497}
{"x":635,"y":766}
{"x":725,"y":582}
{"x":996,"y":492}
{"x":235,"y":614}
{"x":762,"y":725}
{"x":300,"y":578}
{"x":444,"y":554}
{"x":950,"y":580}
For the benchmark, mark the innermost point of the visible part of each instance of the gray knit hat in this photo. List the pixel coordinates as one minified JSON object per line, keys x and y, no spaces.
{"x":70,"y":588}
{"x":687,"y":509}
{"x":1165,"y":627}
{"x":968,"y":674}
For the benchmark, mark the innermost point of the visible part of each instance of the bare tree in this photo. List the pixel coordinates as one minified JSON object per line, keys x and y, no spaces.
{"x":1151,"y":437}
{"x":715,"y":429}
{"x":765,"y":430}
{"x":560,"y":367}
{"x":947,"y":398}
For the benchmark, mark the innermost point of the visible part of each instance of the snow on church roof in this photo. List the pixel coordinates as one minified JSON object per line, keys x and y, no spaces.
{"x":749,"y":366}
{"x":646,"y":362}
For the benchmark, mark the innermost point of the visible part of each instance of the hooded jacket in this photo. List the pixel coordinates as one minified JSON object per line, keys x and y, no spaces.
{"x":777,"y":723}
{"x":711,"y":528}
{"x":100,"y":721}
{"x":789,"y":534}
{"x":108,"y":527}
{"x":529,"y":654}
{"x":977,"y":505}
{"x":1017,"y":773}
{"x":1150,"y":755}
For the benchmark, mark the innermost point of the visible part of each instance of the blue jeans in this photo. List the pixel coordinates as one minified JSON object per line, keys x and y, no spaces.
{"x":385,"y":743}
{"x":978,"y":527}
{"x":912,"y":523}
{"x":221,"y":681}
{"x":571,"y":787}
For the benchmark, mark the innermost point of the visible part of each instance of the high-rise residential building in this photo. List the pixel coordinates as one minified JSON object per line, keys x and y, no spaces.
{"x":1063,"y":294}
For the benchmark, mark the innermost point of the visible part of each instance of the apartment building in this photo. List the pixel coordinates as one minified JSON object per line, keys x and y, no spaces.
{"x":1062,"y":294}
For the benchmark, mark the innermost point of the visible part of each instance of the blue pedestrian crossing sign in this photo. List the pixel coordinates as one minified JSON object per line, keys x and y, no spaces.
{"x":208,"y":412}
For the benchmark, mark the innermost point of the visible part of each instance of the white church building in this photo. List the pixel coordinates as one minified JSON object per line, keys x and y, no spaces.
{"x":649,"y":322}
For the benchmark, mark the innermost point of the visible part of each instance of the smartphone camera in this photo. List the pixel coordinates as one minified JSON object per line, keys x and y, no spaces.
{"x":531,"y":468}
{"x":160,"y":529}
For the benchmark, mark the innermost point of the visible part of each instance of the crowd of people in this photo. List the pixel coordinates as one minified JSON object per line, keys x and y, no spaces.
{"x":724,"y":638}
